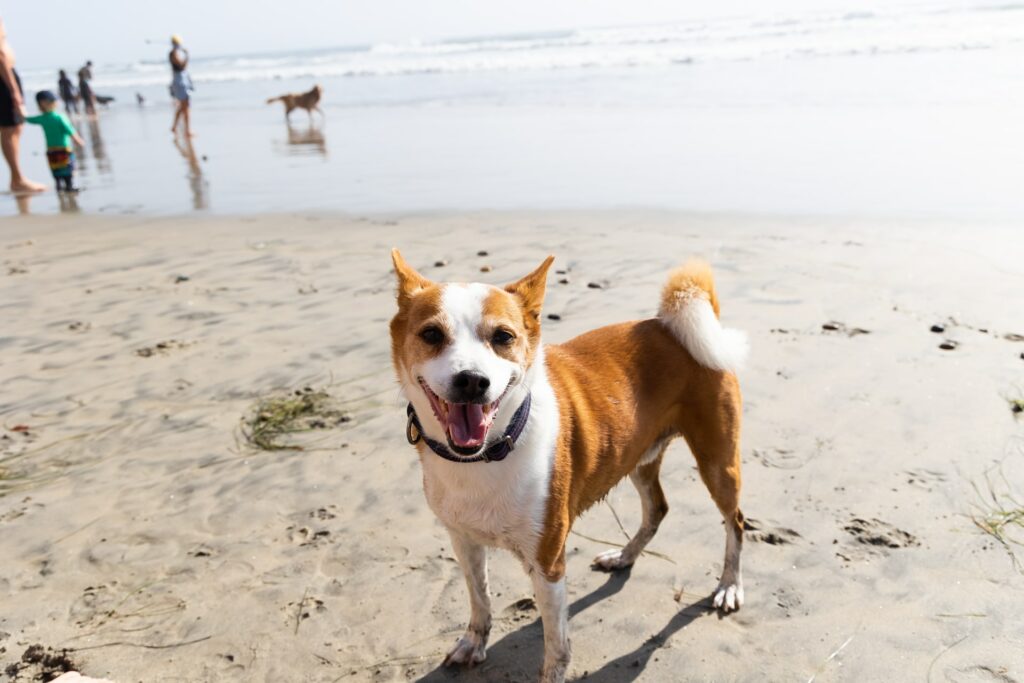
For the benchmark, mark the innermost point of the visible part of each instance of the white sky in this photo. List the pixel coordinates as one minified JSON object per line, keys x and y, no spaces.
{"x":50,"y":33}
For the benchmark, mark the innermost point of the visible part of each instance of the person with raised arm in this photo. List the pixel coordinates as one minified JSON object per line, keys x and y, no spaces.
{"x":181,"y":84}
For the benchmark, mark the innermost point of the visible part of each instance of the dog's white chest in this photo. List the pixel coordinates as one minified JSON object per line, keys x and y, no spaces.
{"x":499,"y":505}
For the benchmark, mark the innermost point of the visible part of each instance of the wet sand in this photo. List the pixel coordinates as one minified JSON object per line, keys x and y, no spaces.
{"x":139,"y":531}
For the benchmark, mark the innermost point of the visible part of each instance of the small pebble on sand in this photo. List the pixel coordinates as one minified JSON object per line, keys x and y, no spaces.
{"x":948,"y":345}
{"x":485,"y":269}
{"x":481,"y":253}
{"x":563,"y":280}
{"x":938,"y":328}
{"x":595,"y":285}
{"x":554,"y":316}
{"x":440,"y":263}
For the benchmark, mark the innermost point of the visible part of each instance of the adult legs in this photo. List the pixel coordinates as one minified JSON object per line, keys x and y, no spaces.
{"x":186,"y":117}
{"x":10,"y":141}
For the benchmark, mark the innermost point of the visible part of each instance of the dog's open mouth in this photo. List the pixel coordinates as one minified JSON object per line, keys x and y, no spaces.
{"x":465,"y":424}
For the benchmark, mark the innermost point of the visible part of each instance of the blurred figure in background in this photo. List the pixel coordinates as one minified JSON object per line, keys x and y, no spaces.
{"x":85,"y":89}
{"x":67,"y":93}
{"x":181,"y":84}
{"x":12,"y":116}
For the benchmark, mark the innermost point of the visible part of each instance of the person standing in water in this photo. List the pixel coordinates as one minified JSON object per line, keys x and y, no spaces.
{"x":181,"y":84}
{"x":12,"y":116}
{"x":85,"y":90}
{"x":67,"y":93}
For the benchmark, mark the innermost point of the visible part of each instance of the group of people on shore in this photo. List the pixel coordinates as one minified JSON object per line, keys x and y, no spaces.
{"x":71,"y":96}
{"x":57,"y":128}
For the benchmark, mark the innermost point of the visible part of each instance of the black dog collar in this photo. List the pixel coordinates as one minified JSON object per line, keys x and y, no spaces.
{"x":498,"y":450}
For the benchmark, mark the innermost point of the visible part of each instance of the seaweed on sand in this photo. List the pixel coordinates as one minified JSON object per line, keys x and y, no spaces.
{"x":999,"y":513}
{"x":276,"y":417}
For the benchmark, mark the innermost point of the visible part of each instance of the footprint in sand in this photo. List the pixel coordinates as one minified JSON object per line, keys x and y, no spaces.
{"x":924,"y":479}
{"x":759,"y":532}
{"x":161,"y":348}
{"x":303,"y":536}
{"x":875,"y":532}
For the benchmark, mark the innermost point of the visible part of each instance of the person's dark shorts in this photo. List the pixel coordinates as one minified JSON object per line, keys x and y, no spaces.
{"x":9,"y":114}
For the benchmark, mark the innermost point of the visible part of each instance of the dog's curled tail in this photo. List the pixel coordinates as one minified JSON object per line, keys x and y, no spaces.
{"x":689,"y":308}
{"x":272,"y":100}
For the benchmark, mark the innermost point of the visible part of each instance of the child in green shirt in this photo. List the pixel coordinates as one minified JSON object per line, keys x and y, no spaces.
{"x":59,"y":133}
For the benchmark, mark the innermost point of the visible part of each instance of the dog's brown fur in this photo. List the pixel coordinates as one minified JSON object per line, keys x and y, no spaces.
{"x":309,"y":101}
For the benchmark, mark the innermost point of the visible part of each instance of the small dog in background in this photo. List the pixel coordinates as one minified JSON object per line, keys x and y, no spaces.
{"x":309,"y":101}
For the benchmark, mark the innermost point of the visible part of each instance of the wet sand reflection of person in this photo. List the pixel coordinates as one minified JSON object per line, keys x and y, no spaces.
{"x":99,"y":151}
{"x":307,"y":141}
{"x":197,"y":183}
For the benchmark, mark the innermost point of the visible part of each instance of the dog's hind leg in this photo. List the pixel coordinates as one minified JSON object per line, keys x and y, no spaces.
{"x":653,"y":504}
{"x":711,"y":426}
{"x":472,"y":557}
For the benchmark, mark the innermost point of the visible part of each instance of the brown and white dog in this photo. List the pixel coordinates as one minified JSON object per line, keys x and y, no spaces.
{"x":597,"y":408}
{"x":310,"y":101}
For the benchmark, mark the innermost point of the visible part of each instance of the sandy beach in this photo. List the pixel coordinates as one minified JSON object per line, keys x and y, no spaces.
{"x":141,"y":532}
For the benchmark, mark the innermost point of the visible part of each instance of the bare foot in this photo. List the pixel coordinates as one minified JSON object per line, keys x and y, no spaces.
{"x":24,"y":185}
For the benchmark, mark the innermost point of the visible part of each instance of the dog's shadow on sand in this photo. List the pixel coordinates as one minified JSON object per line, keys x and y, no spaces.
{"x":518,"y":656}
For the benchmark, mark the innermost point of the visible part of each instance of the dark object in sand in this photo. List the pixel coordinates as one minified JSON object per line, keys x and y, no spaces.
{"x":554,"y":316}
{"x":938,"y":328}
{"x":160,"y":347}
{"x":440,"y":263}
{"x":49,"y":663}
{"x":1017,"y":406}
{"x":1022,"y":356}
{"x":877,"y":532}
{"x":563,"y":280}
{"x":835,"y":326}
{"x":481,"y":253}
{"x":948,"y":345}
{"x":1013,"y":336}
{"x":181,"y":278}
{"x":595,"y":285}
{"x":485,"y":269}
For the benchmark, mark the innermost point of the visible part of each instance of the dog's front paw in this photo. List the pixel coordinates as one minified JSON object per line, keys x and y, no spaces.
{"x":610,"y":560}
{"x":469,"y":651}
{"x":728,"y":596}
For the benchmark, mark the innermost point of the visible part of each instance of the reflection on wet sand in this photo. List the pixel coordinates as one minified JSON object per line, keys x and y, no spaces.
{"x":68,"y":202}
{"x":196,"y":182}
{"x":306,"y":141}
{"x":99,"y":151}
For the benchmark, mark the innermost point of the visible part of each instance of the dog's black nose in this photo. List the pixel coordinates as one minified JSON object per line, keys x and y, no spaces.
{"x":469,"y":386}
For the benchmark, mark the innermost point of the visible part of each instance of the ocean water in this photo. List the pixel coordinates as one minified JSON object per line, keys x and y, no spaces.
{"x":907,"y":112}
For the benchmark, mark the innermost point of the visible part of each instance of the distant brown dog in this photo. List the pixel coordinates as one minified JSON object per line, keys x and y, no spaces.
{"x":308,"y":100}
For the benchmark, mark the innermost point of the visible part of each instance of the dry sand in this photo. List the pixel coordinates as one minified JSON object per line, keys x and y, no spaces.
{"x":137,"y":530}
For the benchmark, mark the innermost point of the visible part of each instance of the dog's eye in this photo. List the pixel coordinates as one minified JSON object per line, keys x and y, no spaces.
{"x":502,"y":338}
{"x":432,"y":335}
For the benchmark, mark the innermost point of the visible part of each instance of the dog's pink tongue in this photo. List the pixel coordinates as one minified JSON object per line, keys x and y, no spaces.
{"x":466,"y":424}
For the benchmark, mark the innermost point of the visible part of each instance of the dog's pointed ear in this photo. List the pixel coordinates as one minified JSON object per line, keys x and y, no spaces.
{"x":530,"y":289}
{"x":409,"y":281}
